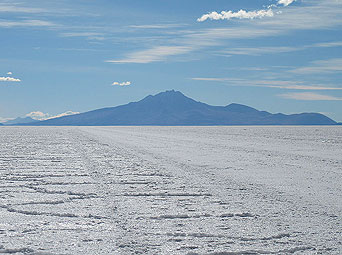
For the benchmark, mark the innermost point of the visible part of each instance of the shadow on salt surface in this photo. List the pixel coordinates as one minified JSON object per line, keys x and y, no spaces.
{"x":241,"y":215}
{"x":181,"y":216}
{"x":197,"y":235}
{"x":23,"y":251}
{"x":258,"y":252}
{"x":206,"y":235}
{"x":56,"y":202}
{"x":186,"y":216}
{"x":46,"y":191}
{"x":279,"y":236}
{"x":165,"y":195}
{"x":61,"y":215}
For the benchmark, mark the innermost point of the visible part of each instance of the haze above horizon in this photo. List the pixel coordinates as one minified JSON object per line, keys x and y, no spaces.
{"x":65,"y":57}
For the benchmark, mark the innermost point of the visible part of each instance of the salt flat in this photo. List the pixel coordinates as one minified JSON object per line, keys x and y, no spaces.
{"x":170,"y":190}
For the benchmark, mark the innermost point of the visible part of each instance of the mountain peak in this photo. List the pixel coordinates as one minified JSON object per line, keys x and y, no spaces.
{"x":170,"y":108}
{"x":170,"y":100}
{"x":167,"y":96}
{"x":169,"y":93}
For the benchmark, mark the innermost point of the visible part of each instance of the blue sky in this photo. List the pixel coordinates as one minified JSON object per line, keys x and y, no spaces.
{"x":66,"y":56}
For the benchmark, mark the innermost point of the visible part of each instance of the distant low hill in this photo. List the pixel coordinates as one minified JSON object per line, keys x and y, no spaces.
{"x":172,"y":108}
{"x":19,"y":120}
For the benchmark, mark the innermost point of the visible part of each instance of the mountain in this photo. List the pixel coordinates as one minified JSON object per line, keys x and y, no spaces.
{"x":19,"y":120}
{"x":173,"y":108}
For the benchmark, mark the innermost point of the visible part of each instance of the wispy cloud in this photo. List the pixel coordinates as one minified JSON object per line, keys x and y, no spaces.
{"x":211,"y":79}
{"x":51,"y":8}
{"x":257,"y":51}
{"x":308,"y":96}
{"x":80,"y":34}
{"x":126,"y":83}
{"x":45,"y":116}
{"x":9,"y":79}
{"x":26,"y":23}
{"x":159,"y":53}
{"x":190,"y":42}
{"x":321,"y":66}
{"x":315,"y":15}
{"x":157,"y":26}
{"x":242,"y":14}
{"x":328,"y":44}
{"x":254,"y":69}
{"x":2,"y":120}
{"x":19,"y":9}
{"x":278,"y":84}
{"x":88,"y":35}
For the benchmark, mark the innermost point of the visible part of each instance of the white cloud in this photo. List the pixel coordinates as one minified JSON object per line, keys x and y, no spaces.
{"x":127,"y":83}
{"x":286,"y":2}
{"x":308,"y":96}
{"x":9,"y":79}
{"x":45,"y":116}
{"x":38,"y":115}
{"x":242,"y":14}
{"x":9,"y":73}
{"x":68,"y":113}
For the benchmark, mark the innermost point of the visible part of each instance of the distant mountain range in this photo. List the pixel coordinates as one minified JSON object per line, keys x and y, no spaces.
{"x":172,"y":108}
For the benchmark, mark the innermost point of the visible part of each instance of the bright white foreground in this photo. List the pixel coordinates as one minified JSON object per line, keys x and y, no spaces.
{"x":170,"y":190}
